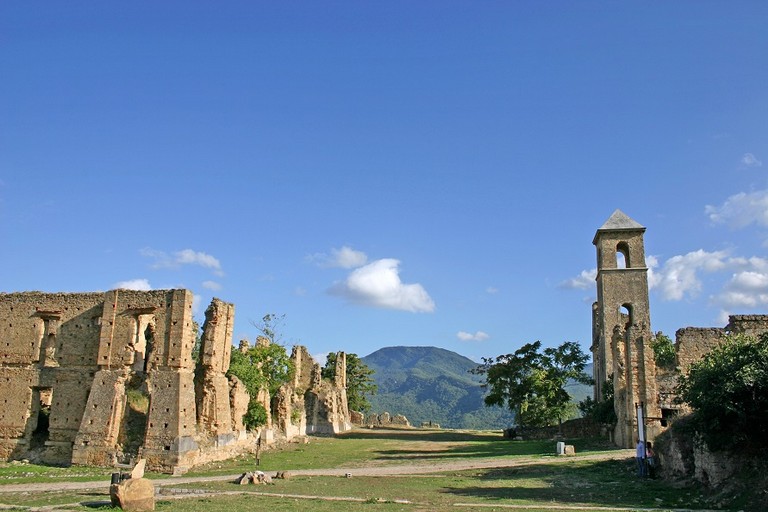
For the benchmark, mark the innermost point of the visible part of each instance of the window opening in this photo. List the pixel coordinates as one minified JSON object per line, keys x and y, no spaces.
{"x":622,"y":255}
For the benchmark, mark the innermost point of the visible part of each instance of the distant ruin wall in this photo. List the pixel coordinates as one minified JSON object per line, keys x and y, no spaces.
{"x":311,"y":404}
{"x":692,"y":343}
{"x":751,"y":325}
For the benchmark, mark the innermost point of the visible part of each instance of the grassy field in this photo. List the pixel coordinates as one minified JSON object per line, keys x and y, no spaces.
{"x":537,"y":481}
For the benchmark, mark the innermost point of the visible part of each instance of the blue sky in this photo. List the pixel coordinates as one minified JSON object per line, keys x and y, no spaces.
{"x":393,"y":173}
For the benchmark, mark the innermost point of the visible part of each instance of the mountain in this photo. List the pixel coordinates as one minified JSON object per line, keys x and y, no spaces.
{"x":433,"y":384}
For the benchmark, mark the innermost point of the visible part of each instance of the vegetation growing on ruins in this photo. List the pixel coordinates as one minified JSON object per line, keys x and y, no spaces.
{"x":270,"y":327}
{"x":728,"y":391}
{"x":264,"y":366}
{"x":663,"y":350}
{"x":267,"y":365}
{"x":360,"y":382}
{"x":198,"y":341}
{"x":134,"y":425}
{"x":531,"y":383}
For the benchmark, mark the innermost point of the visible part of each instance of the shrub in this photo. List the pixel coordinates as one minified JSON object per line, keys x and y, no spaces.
{"x":256,"y":415}
{"x":603,"y":411}
{"x":728,"y":391}
{"x":663,"y":350}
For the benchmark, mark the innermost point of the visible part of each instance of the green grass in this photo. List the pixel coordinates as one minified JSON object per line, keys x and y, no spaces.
{"x":544,"y":481}
{"x":575,"y":483}
{"x":22,"y":473}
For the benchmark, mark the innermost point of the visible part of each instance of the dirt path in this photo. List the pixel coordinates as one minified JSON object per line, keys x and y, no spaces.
{"x":378,"y":470}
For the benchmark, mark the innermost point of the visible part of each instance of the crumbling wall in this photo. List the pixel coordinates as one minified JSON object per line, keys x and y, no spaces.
{"x":387,"y":420}
{"x":40,"y":333}
{"x":147,"y":334}
{"x":692,"y":343}
{"x":70,"y":363}
{"x":214,"y":415}
{"x":75,"y":369}
{"x":326,"y":402}
{"x":751,"y":325}
{"x":310,"y":404}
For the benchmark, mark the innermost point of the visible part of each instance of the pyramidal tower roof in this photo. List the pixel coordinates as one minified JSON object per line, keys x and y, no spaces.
{"x":619,"y":221}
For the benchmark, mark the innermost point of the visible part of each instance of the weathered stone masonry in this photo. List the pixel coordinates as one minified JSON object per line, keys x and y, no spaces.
{"x":622,"y":335}
{"x":76,"y":367}
{"x":72,"y":355}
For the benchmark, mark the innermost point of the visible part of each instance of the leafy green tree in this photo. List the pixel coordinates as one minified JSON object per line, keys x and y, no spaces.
{"x":531,"y":382}
{"x":360,"y":383}
{"x":663,"y":350}
{"x":602,"y":411}
{"x":266,"y":365}
{"x":728,"y":391}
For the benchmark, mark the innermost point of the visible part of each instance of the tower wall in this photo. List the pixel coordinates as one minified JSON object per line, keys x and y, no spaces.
{"x":621,"y":324}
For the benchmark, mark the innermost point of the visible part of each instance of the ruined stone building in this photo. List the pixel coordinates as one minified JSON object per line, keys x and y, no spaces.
{"x":310,"y":404}
{"x":622,"y":335}
{"x":103,"y":378}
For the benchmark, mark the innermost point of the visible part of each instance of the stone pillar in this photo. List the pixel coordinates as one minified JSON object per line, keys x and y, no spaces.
{"x":341,"y":370}
{"x":214,"y":408}
{"x":96,"y":439}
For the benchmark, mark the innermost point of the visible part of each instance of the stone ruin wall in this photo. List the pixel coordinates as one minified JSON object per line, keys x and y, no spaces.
{"x":692,"y":344}
{"x":74,"y":355}
{"x":751,"y":325}
{"x":311,"y":404}
{"x":70,"y":362}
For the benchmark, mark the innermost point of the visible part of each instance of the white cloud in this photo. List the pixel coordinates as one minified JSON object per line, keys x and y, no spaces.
{"x":679,"y":275}
{"x":584,"y":281}
{"x":183,"y":257}
{"x":467,"y":336}
{"x":654,"y":279}
{"x":212,"y":285}
{"x":190,"y":257}
{"x":741,"y":210}
{"x":747,"y":289}
{"x":378,"y":285}
{"x":752,"y":281}
{"x":750,"y":160}
{"x":134,"y":284}
{"x":492,"y":290}
{"x":346,"y":257}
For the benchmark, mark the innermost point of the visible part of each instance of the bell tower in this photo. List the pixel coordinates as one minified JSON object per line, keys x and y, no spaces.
{"x":621,"y":324}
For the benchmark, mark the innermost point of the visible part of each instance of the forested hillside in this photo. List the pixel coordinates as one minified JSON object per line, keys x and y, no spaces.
{"x":433,"y":384}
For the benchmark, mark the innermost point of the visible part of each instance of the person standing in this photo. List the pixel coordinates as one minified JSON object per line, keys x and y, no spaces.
{"x":640,"y":456}
{"x":650,"y":459}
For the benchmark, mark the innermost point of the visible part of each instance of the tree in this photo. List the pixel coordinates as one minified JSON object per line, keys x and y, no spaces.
{"x":602,"y":411}
{"x":270,"y":327}
{"x":266,"y":365}
{"x":728,"y":391}
{"x":360,"y":384}
{"x":262,"y":366}
{"x":663,"y":350}
{"x":531,"y":383}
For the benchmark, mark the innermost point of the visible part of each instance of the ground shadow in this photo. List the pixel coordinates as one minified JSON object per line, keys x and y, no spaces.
{"x":610,"y":483}
{"x":465,"y":444}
